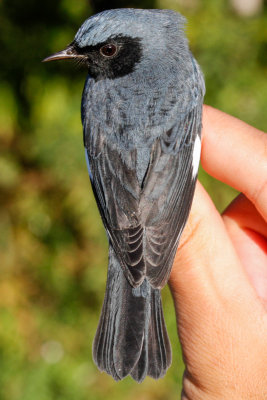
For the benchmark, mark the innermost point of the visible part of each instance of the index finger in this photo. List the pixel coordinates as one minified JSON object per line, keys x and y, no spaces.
{"x":236,"y":154}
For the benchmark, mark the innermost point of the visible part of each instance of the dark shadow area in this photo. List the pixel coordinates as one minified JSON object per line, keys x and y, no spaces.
{"x":100,"y":5}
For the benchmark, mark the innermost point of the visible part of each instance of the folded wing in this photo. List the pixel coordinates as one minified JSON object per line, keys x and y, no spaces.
{"x":168,"y":192}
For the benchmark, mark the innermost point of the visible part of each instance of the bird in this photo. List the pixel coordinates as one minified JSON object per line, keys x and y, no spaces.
{"x":141,"y":114}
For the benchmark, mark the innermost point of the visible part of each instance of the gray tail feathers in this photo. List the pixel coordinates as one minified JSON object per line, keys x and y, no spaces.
{"x":131,"y":337}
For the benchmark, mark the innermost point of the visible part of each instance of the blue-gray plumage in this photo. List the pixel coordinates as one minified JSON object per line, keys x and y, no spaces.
{"x":141,"y":114}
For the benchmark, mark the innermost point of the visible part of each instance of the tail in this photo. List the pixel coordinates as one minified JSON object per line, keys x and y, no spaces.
{"x":131,"y":337}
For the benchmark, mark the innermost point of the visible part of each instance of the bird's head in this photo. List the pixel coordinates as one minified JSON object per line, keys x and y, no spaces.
{"x":114,"y":43}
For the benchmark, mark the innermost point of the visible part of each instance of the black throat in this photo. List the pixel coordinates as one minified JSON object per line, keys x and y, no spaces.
{"x":123,"y":63}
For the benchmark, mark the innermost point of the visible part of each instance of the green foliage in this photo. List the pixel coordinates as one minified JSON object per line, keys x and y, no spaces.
{"x":53,"y":248}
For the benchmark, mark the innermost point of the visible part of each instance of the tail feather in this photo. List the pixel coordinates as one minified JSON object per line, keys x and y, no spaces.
{"x":159,"y":347}
{"x":104,"y":339}
{"x":131,"y":337}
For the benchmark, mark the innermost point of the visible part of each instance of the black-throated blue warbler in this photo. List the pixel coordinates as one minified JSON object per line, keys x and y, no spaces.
{"x":141,"y":115}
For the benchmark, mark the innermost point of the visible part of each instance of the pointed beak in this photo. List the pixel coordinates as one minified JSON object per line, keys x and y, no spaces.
{"x":69,"y":52}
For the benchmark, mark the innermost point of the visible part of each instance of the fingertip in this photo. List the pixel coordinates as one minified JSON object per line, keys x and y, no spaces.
{"x":235,"y":153}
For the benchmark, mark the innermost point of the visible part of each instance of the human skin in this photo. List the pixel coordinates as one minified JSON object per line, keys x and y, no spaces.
{"x":219,"y":276}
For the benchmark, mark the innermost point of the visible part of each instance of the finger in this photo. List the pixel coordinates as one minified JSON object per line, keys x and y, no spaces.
{"x":219,"y":315}
{"x":206,"y":269}
{"x":248,"y":232}
{"x":236,"y":153}
{"x":245,"y":214}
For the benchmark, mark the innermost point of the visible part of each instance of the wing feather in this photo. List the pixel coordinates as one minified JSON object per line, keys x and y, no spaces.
{"x":144,"y":202}
{"x":117,"y":193}
{"x":169,"y":189}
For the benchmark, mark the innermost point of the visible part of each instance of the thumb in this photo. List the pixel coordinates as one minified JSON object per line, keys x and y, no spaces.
{"x":206,"y":266}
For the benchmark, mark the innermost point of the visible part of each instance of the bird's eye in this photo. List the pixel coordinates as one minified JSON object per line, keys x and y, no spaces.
{"x":109,"y":50}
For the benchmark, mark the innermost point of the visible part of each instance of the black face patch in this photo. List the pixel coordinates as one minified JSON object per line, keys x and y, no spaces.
{"x":122,"y":63}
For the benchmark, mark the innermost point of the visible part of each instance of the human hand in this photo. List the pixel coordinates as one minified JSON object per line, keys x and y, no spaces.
{"x":219,"y":276}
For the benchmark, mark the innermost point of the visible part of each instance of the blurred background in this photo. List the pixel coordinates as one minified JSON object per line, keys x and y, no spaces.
{"x":53,"y":249}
